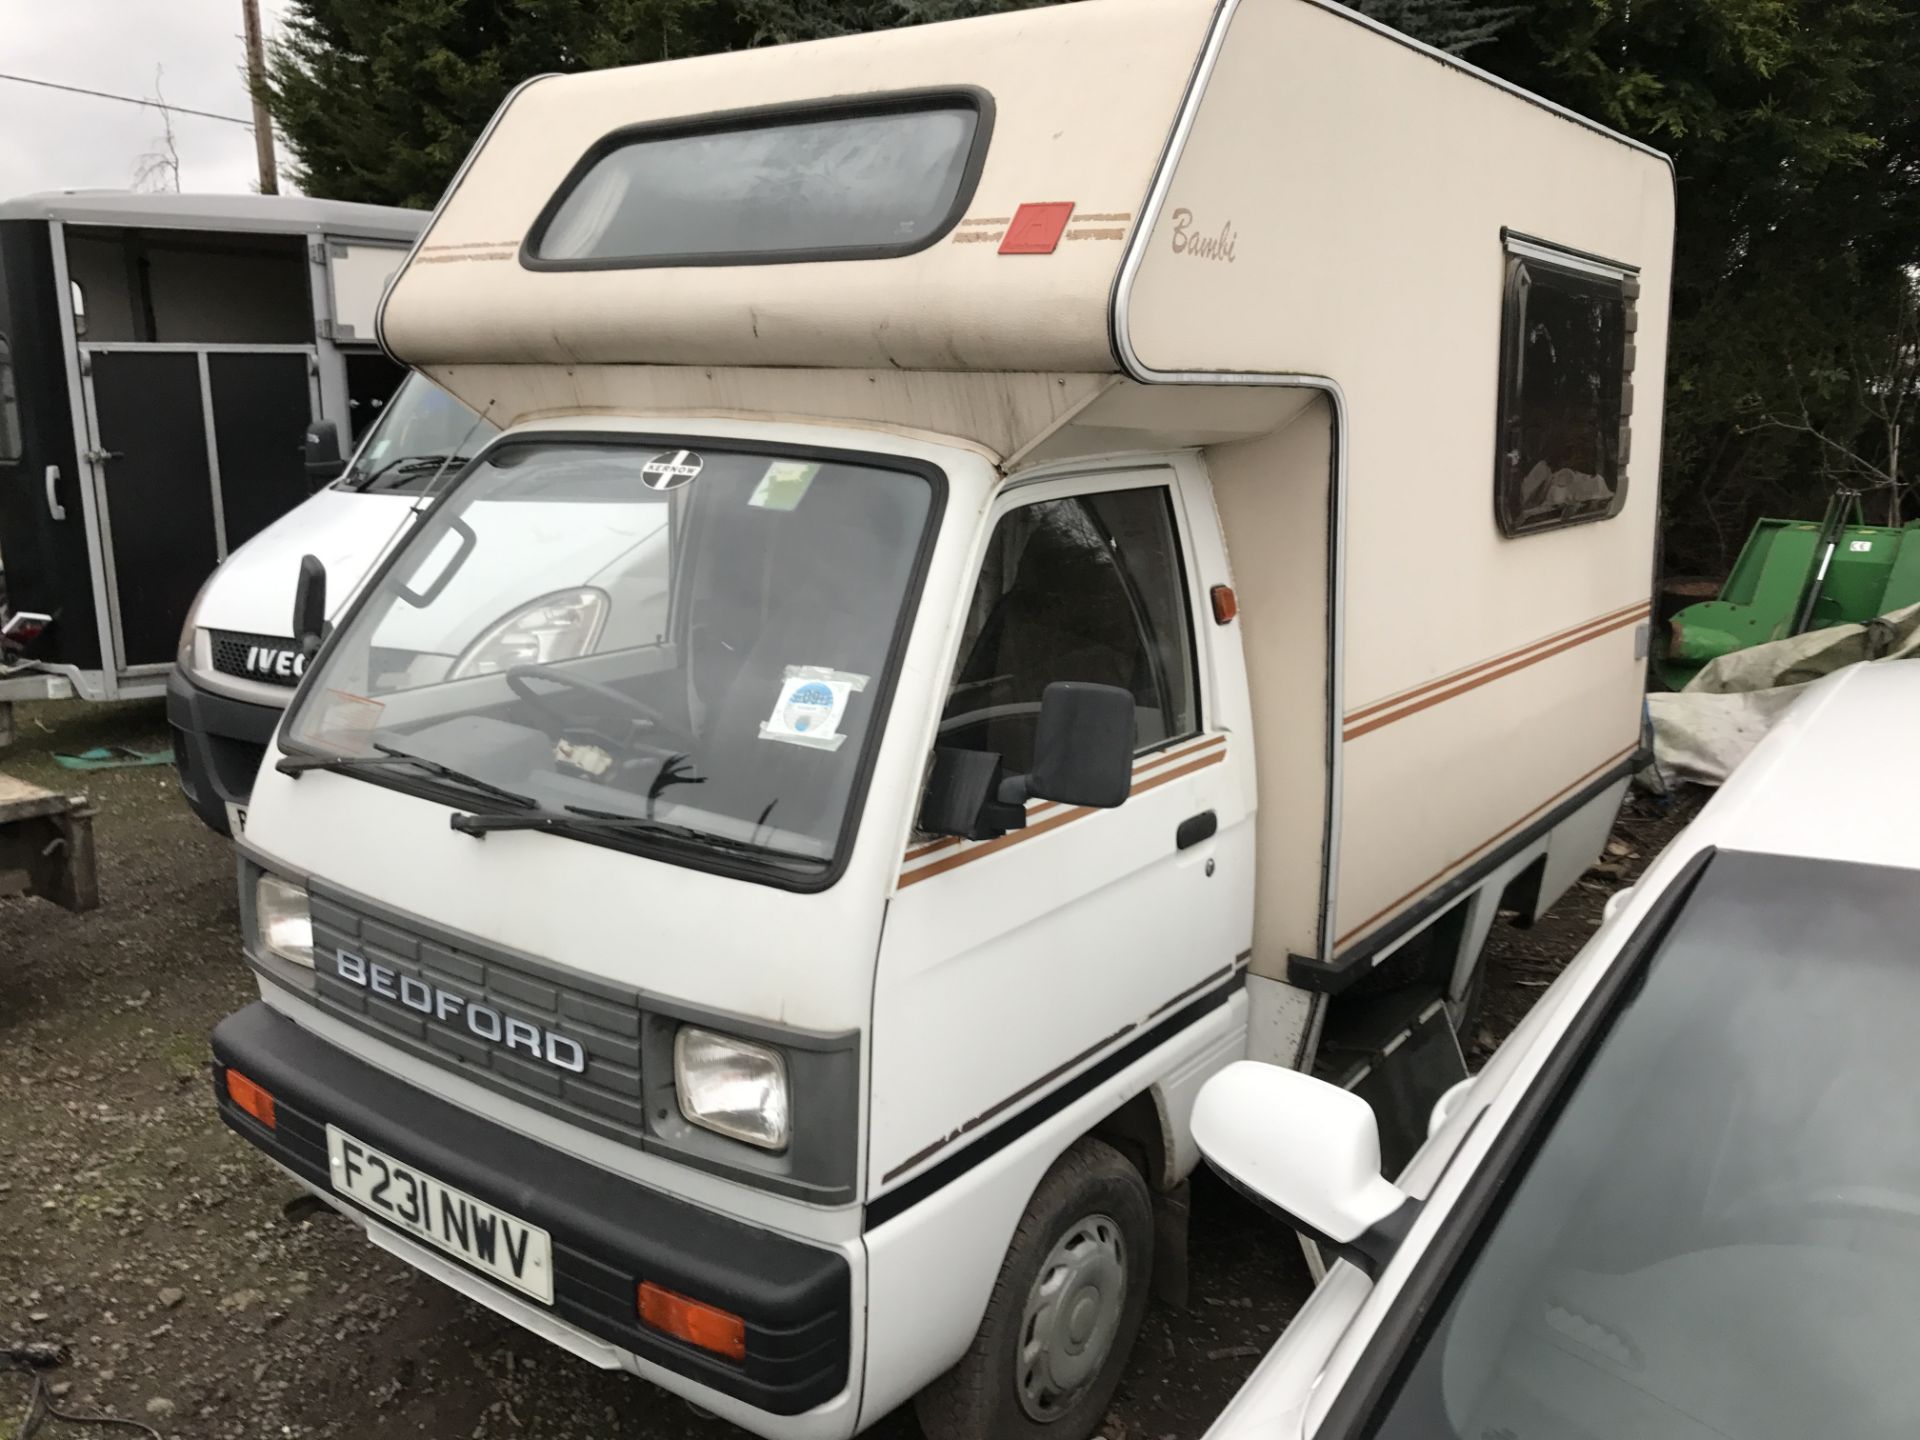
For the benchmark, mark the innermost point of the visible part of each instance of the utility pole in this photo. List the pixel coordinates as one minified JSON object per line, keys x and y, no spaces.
{"x":262,"y":122}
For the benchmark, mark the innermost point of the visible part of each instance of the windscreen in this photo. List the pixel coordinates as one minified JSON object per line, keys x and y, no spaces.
{"x":679,"y":645}
{"x":1718,"y":1237}
{"x":884,"y":182}
{"x":423,"y":438}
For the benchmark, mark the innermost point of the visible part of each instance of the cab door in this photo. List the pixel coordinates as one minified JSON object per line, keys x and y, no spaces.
{"x":1011,"y":968}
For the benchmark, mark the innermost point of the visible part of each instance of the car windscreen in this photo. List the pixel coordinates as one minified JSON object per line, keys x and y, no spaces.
{"x":655,"y":644}
{"x":423,"y":438}
{"x":1717,"y":1236}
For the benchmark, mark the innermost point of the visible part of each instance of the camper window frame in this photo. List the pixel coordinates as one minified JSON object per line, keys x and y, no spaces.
{"x":1526,"y":256}
{"x":760,"y":117}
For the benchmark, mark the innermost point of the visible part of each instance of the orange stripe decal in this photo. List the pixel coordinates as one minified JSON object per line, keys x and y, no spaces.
{"x":1493,"y":839}
{"x":1141,"y":767}
{"x":1394,"y":701}
{"x":1375,"y":717}
{"x":1053,"y":822}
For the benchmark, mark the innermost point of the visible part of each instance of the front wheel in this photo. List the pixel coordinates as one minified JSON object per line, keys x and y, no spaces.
{"x":1064,"y":1312}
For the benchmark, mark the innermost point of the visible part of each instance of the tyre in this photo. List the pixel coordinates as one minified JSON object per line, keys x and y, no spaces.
{"x":1064,"y":1314}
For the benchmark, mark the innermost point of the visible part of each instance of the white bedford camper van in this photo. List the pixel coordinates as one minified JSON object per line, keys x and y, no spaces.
{"x":1075,"y":547}
{"x":238,"y":662}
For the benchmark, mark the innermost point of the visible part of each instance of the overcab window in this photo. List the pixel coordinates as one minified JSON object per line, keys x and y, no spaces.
{"x":1565,"y":361}
{"x":860,"y":180}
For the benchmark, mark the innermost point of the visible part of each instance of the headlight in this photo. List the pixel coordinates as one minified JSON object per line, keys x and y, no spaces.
{"x":183,"y":652}
{"x":283,"y":922}
{"x":554,"y":627}
{"x":732,"y":1087}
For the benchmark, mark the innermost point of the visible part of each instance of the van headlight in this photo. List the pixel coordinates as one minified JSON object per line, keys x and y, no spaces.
{"x":183,"y":652}
{"x":732,"y":1087}
{"x":282,"y":920}
{"x":559,"y":626}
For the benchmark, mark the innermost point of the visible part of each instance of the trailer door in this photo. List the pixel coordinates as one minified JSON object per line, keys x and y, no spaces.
{"x":197,"y":448}
{"x":149,"y":446}
{"x":43,"y":512}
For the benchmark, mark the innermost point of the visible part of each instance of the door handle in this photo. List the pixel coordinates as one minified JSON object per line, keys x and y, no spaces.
{"x":54,"y":507}
{"x":1196,"y":828}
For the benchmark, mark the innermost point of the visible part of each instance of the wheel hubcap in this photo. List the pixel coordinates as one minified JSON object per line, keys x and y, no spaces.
{"x":1072,"y":1316}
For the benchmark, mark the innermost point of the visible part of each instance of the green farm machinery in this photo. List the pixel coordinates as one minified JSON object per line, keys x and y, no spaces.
{"x":1794,"y":576}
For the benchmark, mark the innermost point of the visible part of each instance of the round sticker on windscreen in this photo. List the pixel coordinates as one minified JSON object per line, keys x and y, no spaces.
{"x":809,"y":708}
{"x":670,"y":470}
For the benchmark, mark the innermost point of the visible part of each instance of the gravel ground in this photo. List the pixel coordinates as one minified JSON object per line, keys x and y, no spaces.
{"x":137,"y":1230}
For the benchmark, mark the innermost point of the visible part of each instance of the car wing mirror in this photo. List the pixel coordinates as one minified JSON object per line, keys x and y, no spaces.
{"x":1306,"y":1152}
{"x":1082,"y":755}
{"x":959,"y":798}
{"x":323,"y":453}
{"x":310,"y":605}
{"x":1082,"y":748}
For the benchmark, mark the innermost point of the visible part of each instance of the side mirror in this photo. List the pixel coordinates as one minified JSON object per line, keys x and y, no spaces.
{"x":310,"y":605}
{"x":1307,"y":1152}
{"x":1082,"y":748}
{"x":959,"y":798}
{"x":323,"y":453}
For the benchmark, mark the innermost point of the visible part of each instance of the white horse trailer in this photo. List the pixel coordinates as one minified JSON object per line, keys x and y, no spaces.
{"x":1104,"y":540}
{"x":161,"y":358}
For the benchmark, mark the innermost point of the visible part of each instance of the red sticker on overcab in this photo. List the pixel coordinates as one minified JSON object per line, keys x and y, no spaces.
{"x":1036,"y":228}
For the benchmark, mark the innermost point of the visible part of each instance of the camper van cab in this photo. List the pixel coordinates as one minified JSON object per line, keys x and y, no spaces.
{"x":1027,"y":560}
{"x":238,"y":662}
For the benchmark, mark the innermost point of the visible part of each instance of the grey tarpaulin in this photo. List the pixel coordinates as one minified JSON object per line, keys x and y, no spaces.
{"x":1702,"y":732}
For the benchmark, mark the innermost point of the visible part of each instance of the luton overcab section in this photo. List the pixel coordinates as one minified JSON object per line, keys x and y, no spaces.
{"x":1025,"y":560}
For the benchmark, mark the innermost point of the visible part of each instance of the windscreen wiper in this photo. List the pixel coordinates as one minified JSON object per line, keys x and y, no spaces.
{"x":412,"y":465}
{"x":578,"y":818}
{"x":389,"y":755}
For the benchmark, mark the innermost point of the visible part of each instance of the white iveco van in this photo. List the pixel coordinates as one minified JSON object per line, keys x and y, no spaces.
{"x":238,"y":664}
{"x":1027,"y":560}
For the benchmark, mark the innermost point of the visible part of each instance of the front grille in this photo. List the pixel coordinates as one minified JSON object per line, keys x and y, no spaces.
{"x":603,"y":1020}
{"x":270,"y":659}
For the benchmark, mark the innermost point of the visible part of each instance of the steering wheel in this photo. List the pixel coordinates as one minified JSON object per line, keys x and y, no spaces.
{"x":520,"y":680}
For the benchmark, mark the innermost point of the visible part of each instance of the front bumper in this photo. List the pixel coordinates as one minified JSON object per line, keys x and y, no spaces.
{"x":608,"y":1233}
{"x":218,"y":744}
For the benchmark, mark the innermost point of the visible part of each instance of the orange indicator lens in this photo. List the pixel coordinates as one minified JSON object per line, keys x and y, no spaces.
{"x":250,"y":1098}
{"x":689,"y":1320}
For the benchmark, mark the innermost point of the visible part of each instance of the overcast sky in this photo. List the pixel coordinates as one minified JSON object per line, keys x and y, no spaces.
{"x":54,"y":141}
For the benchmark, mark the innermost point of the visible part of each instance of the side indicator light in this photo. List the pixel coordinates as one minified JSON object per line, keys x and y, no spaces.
{"x":1226,"y":604}
{"x":689,"y":1320}
{"x":250,"y":1098}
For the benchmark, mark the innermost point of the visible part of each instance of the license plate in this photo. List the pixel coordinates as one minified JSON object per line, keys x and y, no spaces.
{"x":492,"y":1241}
{"x":236,"y":817}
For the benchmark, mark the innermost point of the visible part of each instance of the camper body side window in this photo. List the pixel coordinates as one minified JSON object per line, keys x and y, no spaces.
{"x":1090,"y":588}
{"x":1566,"y":358}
